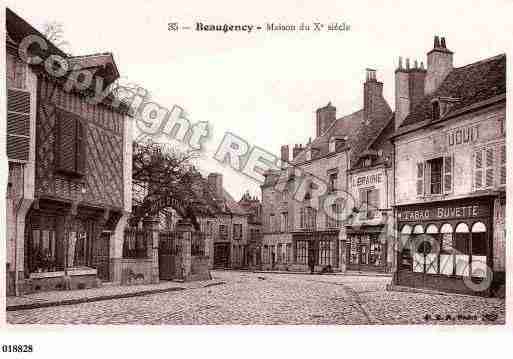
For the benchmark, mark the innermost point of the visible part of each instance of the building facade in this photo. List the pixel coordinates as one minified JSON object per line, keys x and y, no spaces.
{"x":253,"y":207}
{"x":303,"y":227}
{"x":69,"y":172}
{"x":450,"y":174}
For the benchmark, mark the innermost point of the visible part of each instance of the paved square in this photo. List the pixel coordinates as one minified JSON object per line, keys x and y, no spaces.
{"x":266,"y":298}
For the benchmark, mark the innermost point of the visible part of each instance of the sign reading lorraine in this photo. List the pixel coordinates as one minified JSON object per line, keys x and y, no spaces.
{"x":368,"y":179}
{"x":443,"y":212}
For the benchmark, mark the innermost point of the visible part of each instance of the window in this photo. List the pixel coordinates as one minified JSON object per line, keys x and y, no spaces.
{"x":284,"y":222}
{"x":325,"y":249}
{"x":332,"y":181}
{"x":376,"y":252}
{"x":237,"y":232}
{"x":405,"y":241}
{"x":15,"y":70}
{"x":223,"y":231}
{"x":271,"y":223}
{"x":435,"y":170}
{"x":369,"y":202}
{"x":135,"y":241}
{"x":487,"y":167}
{"x":278,"y":250}
{"x":435,"y":176}
{"x":70,"y":151}
{"x":308,"y":218}
{"x":209,"y":228}
{"x":288,"y":254}
{"x":46,"y":253}
{"x":301,"y":251}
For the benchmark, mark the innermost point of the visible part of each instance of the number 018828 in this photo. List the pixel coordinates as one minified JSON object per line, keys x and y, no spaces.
{"x":17,"y":348}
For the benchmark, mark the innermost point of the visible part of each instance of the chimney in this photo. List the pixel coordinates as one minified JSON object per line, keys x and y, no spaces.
{"x":295,"y":151}
{"x":284,"y":155}
{"x":372,"y":94}
{"x":325,"y":116}
{"x":409,"y":88}
{"x":439,"y":64}
{"x":215,"y":181}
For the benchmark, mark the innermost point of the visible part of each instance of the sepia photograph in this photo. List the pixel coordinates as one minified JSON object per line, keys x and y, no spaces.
{"x":300,"y":164}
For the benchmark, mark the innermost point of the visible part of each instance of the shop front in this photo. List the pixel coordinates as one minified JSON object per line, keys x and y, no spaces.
{"x":447,"y":245}
{"x":318,"y":249}
{"x":366,"y":249}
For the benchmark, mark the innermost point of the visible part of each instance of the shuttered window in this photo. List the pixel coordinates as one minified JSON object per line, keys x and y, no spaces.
{"x":478,"y":169}
{"x":18,"y":124}
{"x":502,"y":180}
{"x":420,"y":178}
{"x":489,"y":167}
{"x":71,"y":148}
{"x":447,"y":174}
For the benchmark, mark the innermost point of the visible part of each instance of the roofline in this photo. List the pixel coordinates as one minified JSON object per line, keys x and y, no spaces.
{"x":461,"y":111}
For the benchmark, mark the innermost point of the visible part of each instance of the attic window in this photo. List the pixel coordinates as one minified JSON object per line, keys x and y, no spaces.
{"x":435,"y":107}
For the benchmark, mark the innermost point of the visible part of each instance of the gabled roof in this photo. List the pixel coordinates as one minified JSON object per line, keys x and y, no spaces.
{"x":470,"y":84}
{"x":344,"y":126}
{"x":18,"y":29}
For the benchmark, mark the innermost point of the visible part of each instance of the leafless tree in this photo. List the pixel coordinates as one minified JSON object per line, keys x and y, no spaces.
{"x":54,"y":32}
{"x":164,"y":179}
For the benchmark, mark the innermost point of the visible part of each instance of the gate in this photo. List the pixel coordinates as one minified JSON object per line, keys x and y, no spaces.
{"x":100,"y":260}
{"x":222,"y":255}
{"x":169,"y":251}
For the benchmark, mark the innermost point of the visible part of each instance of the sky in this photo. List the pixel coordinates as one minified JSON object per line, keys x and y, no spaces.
{"x":266,"y":86}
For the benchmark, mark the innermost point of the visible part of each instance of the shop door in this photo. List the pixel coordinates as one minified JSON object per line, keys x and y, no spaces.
{"x":101,"y":250}
{"x":221,"y":255}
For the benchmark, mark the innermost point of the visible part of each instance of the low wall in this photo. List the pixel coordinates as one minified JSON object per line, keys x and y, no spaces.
{"x":62,"y":282}
{"x":130,"y":271}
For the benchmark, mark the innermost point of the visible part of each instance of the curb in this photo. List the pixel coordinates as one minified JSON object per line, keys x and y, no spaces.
{"x":89,"y":299}
{"x":363,"y":274}
{"x":37,"y":305}
{"x":404,"y":289}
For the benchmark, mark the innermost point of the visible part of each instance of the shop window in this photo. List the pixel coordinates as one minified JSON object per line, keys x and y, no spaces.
{"x":406,"y":255}
{"x":479,"y":250}
{"x":376,"y":252}
{"x":288,"y":253}
{"x":278,"y":250}
{"x":431,"y":257}
{"x":462,"y":249}
{"x":301,"y":251}
{"x":325,"y":248}
{"x":46,"y":253}
{"x":446,"y":250}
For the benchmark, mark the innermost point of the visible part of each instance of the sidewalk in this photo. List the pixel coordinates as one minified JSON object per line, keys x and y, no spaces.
{"x":346,"y":273}
{"x":106,"y":292}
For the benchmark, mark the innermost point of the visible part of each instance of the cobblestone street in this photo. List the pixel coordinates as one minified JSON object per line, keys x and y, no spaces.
{"x":265,"y":298}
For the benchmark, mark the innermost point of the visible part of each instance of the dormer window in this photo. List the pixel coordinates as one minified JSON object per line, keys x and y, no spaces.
{"x":435,"y":107}
{"x":333,"y":143}
{"x":309,"y":154}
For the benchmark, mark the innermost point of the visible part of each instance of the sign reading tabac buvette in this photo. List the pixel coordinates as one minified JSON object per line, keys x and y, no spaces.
{"x":443,"y":212}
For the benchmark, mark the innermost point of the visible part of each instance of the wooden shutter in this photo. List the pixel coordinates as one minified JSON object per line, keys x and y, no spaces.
{"x":18,"y":124}
{"x":420,"y":178}
{"x":489,"y":173}
{"x":66,"y":149}
{"x":502,"y":159}
{"x":478,"y":169}
{"x":448,"y":174}
{"x":81,"y":148}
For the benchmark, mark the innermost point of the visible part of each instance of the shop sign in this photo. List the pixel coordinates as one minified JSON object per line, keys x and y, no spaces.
{"x":367,"y":180}
{"x":443,"y":212}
